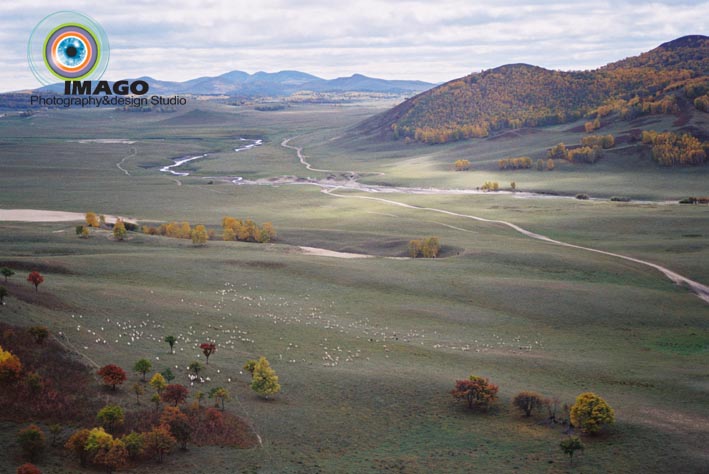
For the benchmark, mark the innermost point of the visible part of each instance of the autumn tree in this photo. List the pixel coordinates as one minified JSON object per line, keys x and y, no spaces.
{"x":10,"y":367}
{"x":31,"y":440}
{"x":179,"y":425}
{"x":113,"y":456}
{"x":264,"y":380}
{"x":590,"y":413}
{"x":142,"y":366}
{"x":250,"y":365}
{"x":39,"y":333}
{"x":550,"y":164}
{"x":175,"y":394}
{"x":158,"y":383}
{"x":171,"y":340}
{"x":3,"y":294}
{"x":119,"y":230}
{"x":477,"y":391}
{"x":159,"y":441}
{"x":77,"y":444}
{"x":92,"y":219}
{"x":268,"y":232}
{"x":28,"y":468}
{"x":7,"y":273}
{"x":528,"y":402}
{"x":415,"y":247}
{"x":219,"y":395}
{"x":36,"y":279}
{"x":558,"y":152}
{"x":110,"y":417}
{"x":199,"y":235}
{"x":462,"y":165}
{"x":138,"y":390}
{"x":112,"y":375}
{"x":570,"y":445}
{"x":208,"y":348}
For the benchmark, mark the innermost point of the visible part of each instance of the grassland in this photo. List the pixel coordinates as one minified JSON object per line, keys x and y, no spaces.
{"x":368,"y":349}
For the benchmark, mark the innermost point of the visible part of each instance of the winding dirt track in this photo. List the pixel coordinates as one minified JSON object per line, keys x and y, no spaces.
{"x":701,"y":290}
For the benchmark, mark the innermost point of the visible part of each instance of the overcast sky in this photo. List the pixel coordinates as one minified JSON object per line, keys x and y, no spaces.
{"x":395,"y":39}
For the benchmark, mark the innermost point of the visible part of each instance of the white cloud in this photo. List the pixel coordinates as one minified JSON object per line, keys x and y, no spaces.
{"x":413,"y":39}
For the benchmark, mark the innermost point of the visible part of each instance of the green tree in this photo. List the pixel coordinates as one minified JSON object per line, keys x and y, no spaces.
{"x":7,"y":273}
{"x":250,"y":365}
{"x":31,"y":441}
{"x":570,"y":445}
{"x":171,"y":340}
{"x":528,"y":402}
{"x":590,"y":413}
{"x":143,"y":366}
{"x":196,"y":367}
{"x":110,"y":417}
{"x":264,"y":380}
{"x":169,"y":376}
{"x":219,"y":395}
{"x":134,"y":443}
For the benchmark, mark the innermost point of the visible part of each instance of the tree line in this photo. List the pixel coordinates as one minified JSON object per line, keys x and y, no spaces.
{"x":673,"y":149}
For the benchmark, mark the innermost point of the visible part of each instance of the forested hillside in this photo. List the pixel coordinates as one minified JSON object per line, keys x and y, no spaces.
{"x":670,"y":78}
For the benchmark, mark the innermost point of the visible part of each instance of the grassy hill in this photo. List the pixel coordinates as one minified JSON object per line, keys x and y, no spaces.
{"x":667,"y":79}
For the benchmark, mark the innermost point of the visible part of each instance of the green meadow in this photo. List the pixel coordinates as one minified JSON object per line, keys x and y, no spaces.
{"x":367,"y":350}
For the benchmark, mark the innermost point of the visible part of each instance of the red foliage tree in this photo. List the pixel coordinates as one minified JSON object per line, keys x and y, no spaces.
{"x":208,"y":348}
{"x":160,"y":441}
{"x":36,"y":279}
{"x":112,"y":375}
{"x":478,"y":391}
{"x":28,"y":468}
{"x":175,"y":394}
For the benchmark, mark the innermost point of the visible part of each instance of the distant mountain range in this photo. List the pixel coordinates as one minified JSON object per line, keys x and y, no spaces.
{"x":283,"y":83}
{"x":667,"y":79}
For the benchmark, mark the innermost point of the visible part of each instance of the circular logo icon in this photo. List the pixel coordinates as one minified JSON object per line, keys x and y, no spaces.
{"x":67,"y":46}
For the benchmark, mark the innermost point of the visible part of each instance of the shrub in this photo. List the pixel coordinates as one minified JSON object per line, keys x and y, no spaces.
{"x":528,"y":402}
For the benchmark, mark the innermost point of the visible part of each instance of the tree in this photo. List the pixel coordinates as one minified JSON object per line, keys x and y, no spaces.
{"x":31,"y":441}
{"x":7,"y":273}
{"x":199,"y":235}
{"x":462,"y":165}
{"x":134,"y":443}
{"x":167,"y":373}
{"x":550,"y":164}
{"x":250,"y":365}
{"x":264,"y":380}
{"x":97,"y":440}
{"x":513,"y":186}
{"x":40,"y":333}
{"x":119,"y":230}
{"x":3,"y":294}
{"x":268,"y":232}
{"x":158,"y":383}
{"x":415,"y":248}
{"x":175,"y":394}
{"x":528,"y":402}
{"x":478,"y":391}
{"x":156,"y":400}
{"x":430,"y":248}
{"x":199,"y":396}
{"x":208,"y":348}
{"x":570,"y":445}
{"x":36,"y":279}
{"x":540,"y":165}
{"x":138,"y":390}
{"x":220,"y":395}
{"x":590,"y":413}
{"x":54,"y":429}
{"x":112,"y":375}
{"x":160,"y":441}
{"x":196,"y":367}
{"x":92,"y":219}
{"x":112,"y":457}
{"x":171,"y":340}
{"x":10,"y":367}
{"x":28,"y":468}
{"x":143,"y":366}
{"x":179,"y":425}
{"x":77,"y":444}
{"x":110,"y":417}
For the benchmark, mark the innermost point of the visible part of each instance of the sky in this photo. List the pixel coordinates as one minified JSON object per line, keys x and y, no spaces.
{"x":434,"y":41}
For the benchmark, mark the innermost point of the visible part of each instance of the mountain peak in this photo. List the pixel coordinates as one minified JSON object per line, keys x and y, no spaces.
{"x":689,"y":41}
